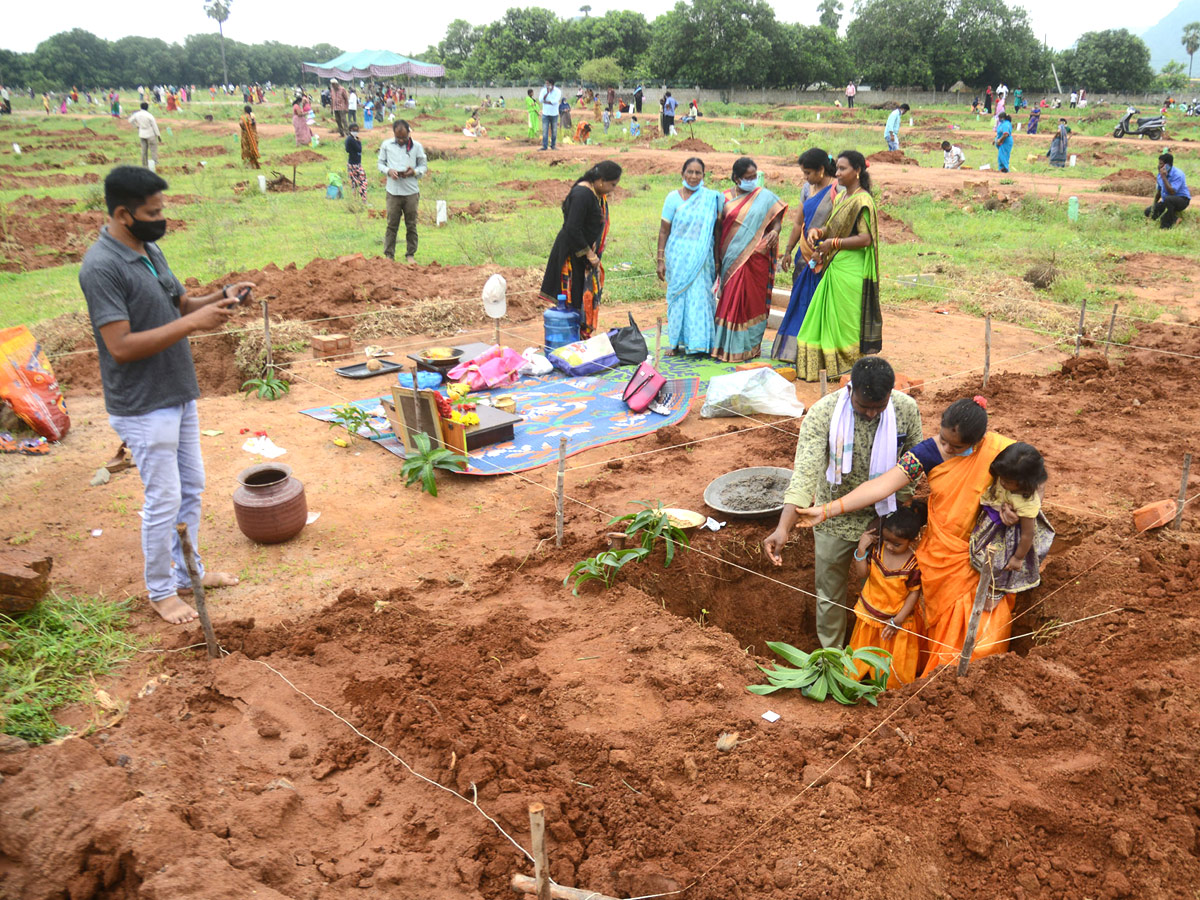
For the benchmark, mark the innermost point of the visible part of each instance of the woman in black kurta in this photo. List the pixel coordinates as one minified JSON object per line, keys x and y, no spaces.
{"x":574,"y":266}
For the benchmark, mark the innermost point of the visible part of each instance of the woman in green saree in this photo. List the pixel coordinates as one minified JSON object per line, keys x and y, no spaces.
{"x":844,"y":320}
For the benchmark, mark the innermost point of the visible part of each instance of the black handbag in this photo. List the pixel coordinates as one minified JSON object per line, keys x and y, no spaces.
{"x":629,"y":344}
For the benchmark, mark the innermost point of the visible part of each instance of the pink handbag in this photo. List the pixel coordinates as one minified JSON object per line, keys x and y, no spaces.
{"x":643,"y":387}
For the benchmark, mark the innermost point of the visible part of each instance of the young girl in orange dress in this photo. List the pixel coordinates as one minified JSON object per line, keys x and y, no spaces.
{"x":886,"y":614}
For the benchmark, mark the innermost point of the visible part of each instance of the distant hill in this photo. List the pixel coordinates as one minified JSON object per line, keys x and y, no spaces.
{"x":1163,"y":38}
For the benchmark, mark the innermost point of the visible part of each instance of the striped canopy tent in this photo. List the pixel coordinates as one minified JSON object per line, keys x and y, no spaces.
{"x":373,"y":64}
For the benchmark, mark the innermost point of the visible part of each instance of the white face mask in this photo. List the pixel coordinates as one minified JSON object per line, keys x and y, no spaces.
{"x":690,"y":188}
{"x":748,"y":184}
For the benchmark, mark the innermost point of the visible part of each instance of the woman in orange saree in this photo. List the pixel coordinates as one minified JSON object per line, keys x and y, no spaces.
{"x":956,"y":462}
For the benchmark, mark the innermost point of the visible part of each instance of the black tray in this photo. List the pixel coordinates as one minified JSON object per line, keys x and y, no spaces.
{"x":359,"y":370}
{"x":470,"y":351}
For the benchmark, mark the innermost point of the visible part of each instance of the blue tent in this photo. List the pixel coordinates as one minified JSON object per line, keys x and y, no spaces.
{"x":373,"y":63}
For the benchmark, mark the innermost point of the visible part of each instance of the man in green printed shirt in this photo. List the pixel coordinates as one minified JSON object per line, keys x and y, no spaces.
{"x":846,"y":438}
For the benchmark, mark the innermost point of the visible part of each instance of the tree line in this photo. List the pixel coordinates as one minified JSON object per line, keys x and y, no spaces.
{"x":920,"y":44}
{"x":81,"y":59}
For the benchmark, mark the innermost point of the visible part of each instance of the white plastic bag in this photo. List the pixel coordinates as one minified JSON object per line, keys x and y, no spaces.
{"x":442,"y":213}
{"x":535,"y":363}
{"x":752,"y":391}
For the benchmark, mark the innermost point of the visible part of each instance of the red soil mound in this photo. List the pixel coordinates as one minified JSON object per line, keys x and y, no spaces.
{"x":302,"y":156}
{"x":695,"y":145}
{"x":1136,"y":182}
{"x":892,"y":157}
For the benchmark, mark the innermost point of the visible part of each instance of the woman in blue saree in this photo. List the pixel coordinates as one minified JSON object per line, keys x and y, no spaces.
{"x":1003,"y":141}
{"x":817,"y":196}
{"x":687,"y":237}
{"x":752,"y":219}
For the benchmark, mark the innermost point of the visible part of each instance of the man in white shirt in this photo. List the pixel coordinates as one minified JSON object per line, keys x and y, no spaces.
{"x":403,"y":161}
{"x":147,"y":134}
{"x":851,"y":92}
{"x":1074,"y":99}
{"x":352,"y":109}
{"x":550,"y":97}
{"x":1002,"y":91}
{"x":953,"y":157}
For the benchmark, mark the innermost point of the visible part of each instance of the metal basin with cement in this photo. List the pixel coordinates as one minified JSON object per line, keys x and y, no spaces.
{"x":752,"y":493}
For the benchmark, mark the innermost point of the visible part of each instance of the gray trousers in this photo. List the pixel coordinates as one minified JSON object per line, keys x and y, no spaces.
{"x":398,"y":205}
{"x":832,"y":559}
{"x":149,"y":150}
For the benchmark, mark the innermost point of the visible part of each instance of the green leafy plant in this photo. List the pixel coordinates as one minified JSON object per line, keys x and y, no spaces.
{"x":421,"y":466}
{"x":268,"y":387}
{"x":828,"y":672}
{"x":352,"y":418}
{"x":603,"y":567}
{"x":651,"y":525}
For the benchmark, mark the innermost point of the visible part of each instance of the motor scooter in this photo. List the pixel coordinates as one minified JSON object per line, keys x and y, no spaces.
{"x":1151,"y":127}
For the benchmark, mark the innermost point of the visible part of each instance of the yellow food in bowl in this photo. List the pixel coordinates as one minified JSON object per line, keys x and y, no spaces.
{"x":439,"y":353}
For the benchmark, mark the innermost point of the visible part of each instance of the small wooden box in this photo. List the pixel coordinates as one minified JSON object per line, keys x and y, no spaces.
{"x":327,"y":345}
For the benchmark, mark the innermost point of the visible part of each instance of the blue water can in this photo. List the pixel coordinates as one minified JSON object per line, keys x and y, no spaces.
{"x":561,"y":324}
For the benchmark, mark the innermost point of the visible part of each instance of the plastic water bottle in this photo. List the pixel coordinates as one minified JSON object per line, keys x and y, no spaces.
{"x":1073,"y":209}
{"x":561,"y":325}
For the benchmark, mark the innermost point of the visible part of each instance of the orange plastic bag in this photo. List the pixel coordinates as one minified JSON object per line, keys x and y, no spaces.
{"x":27,"y":384}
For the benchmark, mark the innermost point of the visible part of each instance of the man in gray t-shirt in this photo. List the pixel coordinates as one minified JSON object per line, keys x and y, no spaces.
{"x":142,"y":317}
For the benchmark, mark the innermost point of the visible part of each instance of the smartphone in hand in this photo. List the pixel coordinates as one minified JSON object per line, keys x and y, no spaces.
{"x":243,"y":295}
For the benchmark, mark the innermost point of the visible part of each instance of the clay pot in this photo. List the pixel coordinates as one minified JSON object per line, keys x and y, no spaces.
{"x":270,"y":504}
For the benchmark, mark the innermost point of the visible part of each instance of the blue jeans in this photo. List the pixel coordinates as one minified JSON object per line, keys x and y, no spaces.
{"x":893,"y":141}
{"x":165,"y":445}
{"x":549,"y":131}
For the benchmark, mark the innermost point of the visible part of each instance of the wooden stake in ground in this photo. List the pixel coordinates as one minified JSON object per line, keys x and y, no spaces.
{"x":541,"y":868}
{"x":987,"y":349}
{"x":1112,"y":322}
{"x":189,"y":556}
{"x":267,"y":337}
{"x":560,"y":495}
{"x":824,"y":382}
{"x":1187,"y":470}
{"x":981,"y":595}
{"x":658,"y":343}
{"x":1079,"y":330}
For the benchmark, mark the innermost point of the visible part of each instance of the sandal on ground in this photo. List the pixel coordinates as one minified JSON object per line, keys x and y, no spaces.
{"x":7,"y":443}
{"x":120,"y":461}
{"x":33,"y":447}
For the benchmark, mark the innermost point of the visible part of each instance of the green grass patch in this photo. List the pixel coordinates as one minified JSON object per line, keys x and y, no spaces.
{"x":50,"y":655}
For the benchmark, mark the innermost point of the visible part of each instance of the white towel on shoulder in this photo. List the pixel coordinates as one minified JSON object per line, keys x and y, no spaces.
{"x":841,"y":445}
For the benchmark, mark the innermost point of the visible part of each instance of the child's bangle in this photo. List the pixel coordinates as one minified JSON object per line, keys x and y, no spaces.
{"x":860,"y":558}
{"x":842,"y":511}
{"x":892,"y":622}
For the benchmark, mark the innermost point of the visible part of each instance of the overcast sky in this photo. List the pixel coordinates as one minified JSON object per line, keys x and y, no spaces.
{"x":307,"y":22}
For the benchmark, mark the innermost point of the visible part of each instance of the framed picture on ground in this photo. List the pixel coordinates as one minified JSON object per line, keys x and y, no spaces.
{"x":415,"y":412}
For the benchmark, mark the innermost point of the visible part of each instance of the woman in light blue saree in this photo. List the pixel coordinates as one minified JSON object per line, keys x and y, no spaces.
{"x":749,"y":237}
{"x":687,"y":261}
{"x":1003,"y":141}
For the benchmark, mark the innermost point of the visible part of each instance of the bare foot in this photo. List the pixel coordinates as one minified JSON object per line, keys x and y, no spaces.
{"x":668,"y":353}
{"x":174,"y":610}
{"x":213,"y":580}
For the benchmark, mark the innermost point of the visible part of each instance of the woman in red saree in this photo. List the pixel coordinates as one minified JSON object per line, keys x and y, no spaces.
{"x":956,"y":463}
{"x":750,"y":229}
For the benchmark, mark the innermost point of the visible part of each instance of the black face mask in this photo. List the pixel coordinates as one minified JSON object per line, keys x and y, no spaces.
{"x":148,"y":231}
